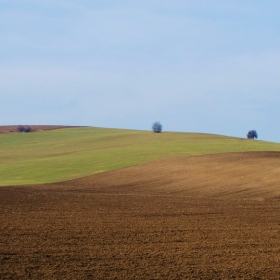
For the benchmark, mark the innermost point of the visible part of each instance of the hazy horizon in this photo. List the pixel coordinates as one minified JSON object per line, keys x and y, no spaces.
{"x":208,"y":67}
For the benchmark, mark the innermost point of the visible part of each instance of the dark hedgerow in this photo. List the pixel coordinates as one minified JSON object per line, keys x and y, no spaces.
{"x":21,"y":128}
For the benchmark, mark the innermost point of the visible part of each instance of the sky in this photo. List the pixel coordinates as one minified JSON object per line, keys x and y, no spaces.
{"x":209,"y":66}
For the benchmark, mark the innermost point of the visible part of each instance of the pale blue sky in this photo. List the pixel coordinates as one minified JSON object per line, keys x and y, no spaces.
{"x":195,"y":66}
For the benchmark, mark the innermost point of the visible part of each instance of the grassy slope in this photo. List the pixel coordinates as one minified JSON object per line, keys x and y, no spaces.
{"x":59,"y":155}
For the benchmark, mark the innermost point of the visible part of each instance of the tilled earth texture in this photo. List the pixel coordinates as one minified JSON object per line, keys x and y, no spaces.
{"x":201,"y":217}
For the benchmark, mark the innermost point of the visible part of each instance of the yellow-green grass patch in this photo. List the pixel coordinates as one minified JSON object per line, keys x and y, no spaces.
{"x":65,"y":154}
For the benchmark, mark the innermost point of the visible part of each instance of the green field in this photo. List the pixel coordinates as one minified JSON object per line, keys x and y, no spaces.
{"x":65,"y":154}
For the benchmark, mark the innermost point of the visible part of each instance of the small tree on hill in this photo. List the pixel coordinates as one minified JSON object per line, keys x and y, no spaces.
{"x":157,"y":127}
{"x":252,"y":134}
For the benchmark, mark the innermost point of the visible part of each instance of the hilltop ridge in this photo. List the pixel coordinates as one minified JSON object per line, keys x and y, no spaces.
{"x":65,"y":154}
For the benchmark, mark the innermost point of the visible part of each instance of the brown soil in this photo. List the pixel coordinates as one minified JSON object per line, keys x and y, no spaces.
{"x":203,"y":217}
{"x":34,"y":128}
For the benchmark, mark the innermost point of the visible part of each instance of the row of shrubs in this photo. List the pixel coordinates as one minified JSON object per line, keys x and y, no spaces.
{"x":22,"y":128}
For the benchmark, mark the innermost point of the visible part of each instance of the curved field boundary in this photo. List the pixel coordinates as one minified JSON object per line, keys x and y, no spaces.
{"x":190,"y":217}
{"x":245,"y":176}
{"x":66,"y":154}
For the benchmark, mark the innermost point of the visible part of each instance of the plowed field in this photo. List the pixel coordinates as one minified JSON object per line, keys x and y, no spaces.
{"x":200,"y":217}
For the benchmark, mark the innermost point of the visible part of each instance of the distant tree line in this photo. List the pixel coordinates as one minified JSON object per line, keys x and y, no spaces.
{"x":22,"y":128}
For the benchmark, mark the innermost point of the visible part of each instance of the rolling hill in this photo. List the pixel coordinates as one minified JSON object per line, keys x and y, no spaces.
{"x":71,"y":153}
{"x":124,"y":204}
